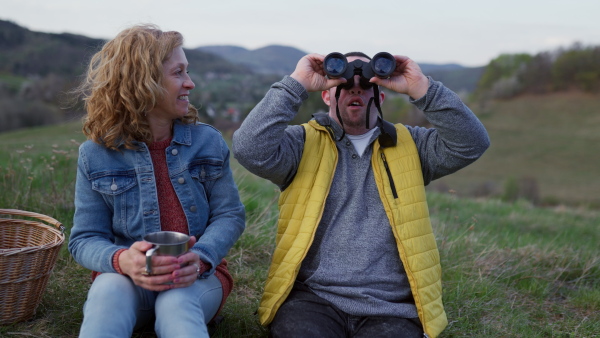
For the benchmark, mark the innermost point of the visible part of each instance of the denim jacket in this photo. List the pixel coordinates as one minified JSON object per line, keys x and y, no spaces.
{"x":116,"y":201}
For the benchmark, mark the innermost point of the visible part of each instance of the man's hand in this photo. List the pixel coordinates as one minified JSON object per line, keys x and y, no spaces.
{"x":407,"y":78}
{"x":309,"y":72}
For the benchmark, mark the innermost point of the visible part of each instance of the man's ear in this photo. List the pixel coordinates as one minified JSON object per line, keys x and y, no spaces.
{"x":381,"y":97}
{"x":326,"y":96}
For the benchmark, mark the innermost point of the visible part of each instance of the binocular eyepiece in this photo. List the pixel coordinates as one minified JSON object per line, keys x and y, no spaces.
{"x":336,"y":66}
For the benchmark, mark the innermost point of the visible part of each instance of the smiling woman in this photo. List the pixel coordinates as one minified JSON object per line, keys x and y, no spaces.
{"x":174,"y":102}
{"x":148,"y":166}
{"x":132,"y":75}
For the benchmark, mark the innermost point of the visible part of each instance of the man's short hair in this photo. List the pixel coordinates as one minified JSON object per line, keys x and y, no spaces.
{"x":358,"y":54}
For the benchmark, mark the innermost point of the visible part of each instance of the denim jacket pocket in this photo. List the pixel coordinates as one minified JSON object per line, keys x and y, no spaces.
{"x":118,"y":189}
{"x":113,"y":182}
{"x":206,"y":170}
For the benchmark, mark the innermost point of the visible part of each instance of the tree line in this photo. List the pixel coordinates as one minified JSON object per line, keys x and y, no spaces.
{"x":574,"y":68}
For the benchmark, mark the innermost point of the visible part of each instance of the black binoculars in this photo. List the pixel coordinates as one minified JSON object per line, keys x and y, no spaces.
{"x":336,"y":65}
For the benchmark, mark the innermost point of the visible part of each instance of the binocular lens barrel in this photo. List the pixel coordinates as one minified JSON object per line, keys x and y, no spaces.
{"x":383,"y":64}
{"x":336,"y":65}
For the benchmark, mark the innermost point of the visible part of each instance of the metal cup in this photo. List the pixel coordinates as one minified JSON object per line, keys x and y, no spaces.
{"x":166,"y":243}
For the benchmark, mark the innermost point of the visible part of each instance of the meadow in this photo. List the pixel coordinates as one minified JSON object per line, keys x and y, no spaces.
{"x":510,"y":269}
{"x":542,"y":145}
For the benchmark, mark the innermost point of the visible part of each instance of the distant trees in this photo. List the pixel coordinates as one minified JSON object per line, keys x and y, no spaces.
{"x":577,"y":67}
{"x":38,"y":70}
{"x":31,"y":101}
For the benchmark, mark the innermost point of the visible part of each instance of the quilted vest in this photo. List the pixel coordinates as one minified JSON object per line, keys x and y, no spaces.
{"x":301,"y":206}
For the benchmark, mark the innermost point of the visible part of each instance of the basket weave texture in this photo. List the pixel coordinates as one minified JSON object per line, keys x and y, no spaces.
{"x":28,"y":252}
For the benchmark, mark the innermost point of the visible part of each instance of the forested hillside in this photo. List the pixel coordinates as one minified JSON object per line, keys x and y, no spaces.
{"x":282,"y":60}
{"x":565,"y":69}
{"x":37,"y":71}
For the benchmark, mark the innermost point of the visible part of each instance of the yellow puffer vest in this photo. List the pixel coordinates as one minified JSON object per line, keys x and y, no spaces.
{"x":301,"y":207}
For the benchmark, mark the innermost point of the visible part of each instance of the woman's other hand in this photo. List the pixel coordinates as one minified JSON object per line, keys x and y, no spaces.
{"x":191,"y":267}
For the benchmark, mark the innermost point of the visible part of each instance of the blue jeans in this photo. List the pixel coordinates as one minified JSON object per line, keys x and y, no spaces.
{"x":115,"y":307}
{"x":304,"y":314}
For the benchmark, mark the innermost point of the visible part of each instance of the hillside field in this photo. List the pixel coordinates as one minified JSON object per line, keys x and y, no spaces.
{"x":510,"y":269}
{"x":550,"y":141}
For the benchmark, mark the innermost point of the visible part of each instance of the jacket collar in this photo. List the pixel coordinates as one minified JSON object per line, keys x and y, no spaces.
{"x":332,"y":127}
{"x":182,"y":133}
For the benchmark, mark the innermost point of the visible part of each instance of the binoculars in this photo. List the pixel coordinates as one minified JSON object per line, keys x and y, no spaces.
{"x":336,"y":65}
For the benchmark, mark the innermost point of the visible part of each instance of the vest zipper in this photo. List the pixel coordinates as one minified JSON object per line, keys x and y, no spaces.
{"x":389,"y":173}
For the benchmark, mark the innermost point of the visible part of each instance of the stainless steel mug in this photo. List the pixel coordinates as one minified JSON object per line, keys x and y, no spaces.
{"x":166,"y":243}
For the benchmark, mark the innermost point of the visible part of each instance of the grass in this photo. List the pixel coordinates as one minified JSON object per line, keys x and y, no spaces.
{"x":509,"y":269}
{"x":513,"y":270}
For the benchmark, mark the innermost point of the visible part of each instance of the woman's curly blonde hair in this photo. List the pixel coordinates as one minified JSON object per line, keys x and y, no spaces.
{"x":123,"y":81}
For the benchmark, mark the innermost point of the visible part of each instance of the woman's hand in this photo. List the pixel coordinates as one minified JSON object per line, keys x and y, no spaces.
{"x":190,"y":267}
{"x":167,"y":272}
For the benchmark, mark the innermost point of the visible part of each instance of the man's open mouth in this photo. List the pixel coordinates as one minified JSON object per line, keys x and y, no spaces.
{"x":356,"y":103}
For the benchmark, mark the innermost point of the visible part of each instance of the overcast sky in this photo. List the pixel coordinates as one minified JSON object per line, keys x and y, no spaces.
{"x":467,"y":32}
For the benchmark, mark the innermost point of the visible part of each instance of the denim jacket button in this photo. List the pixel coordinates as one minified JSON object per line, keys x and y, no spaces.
{"x":181,"y":180}
{"x":193,"y":208}
{"x":113,"y":187}
{"x":174,"y":152}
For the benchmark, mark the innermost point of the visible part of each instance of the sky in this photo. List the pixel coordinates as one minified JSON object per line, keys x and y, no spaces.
{"x":467,"y":32}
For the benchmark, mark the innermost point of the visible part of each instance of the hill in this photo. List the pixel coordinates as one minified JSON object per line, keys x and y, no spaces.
{"x":543,"y":149}
{"x":274,"y":59}
{"x":37,"y":69}
{"x":282,"y":60}
{"x":462,"y":80}
{"x":27,"y":53}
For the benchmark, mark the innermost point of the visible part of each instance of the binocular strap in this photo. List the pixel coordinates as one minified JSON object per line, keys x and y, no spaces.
{"x":338,"y":90}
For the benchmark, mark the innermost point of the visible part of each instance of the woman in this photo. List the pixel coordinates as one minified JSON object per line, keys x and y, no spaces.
{"x":149,"y":166}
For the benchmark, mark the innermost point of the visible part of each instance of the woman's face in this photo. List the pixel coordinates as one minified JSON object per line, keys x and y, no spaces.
{"x":177,"y":85}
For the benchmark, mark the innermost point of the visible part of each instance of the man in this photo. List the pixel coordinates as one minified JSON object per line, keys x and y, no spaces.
{"x":355,"y":254}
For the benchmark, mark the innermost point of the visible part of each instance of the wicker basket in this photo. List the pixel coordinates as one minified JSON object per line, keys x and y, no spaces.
{"x":28,"y":252}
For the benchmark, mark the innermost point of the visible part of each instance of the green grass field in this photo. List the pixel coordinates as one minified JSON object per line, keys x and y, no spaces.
{"x":509,"y":269}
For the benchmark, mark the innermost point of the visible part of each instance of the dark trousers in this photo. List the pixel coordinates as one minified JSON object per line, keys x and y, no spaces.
{"x":304,"y":314}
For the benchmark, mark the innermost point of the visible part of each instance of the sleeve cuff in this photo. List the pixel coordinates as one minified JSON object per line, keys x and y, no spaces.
{"x":423,"y":102}
{"x":203,"y":268}
{"x":295,"y":87}
{"x":115,"y":261}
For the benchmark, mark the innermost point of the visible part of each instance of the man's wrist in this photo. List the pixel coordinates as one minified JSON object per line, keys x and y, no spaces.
{"x":420,"y":88}
{"x":298,"y":79}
